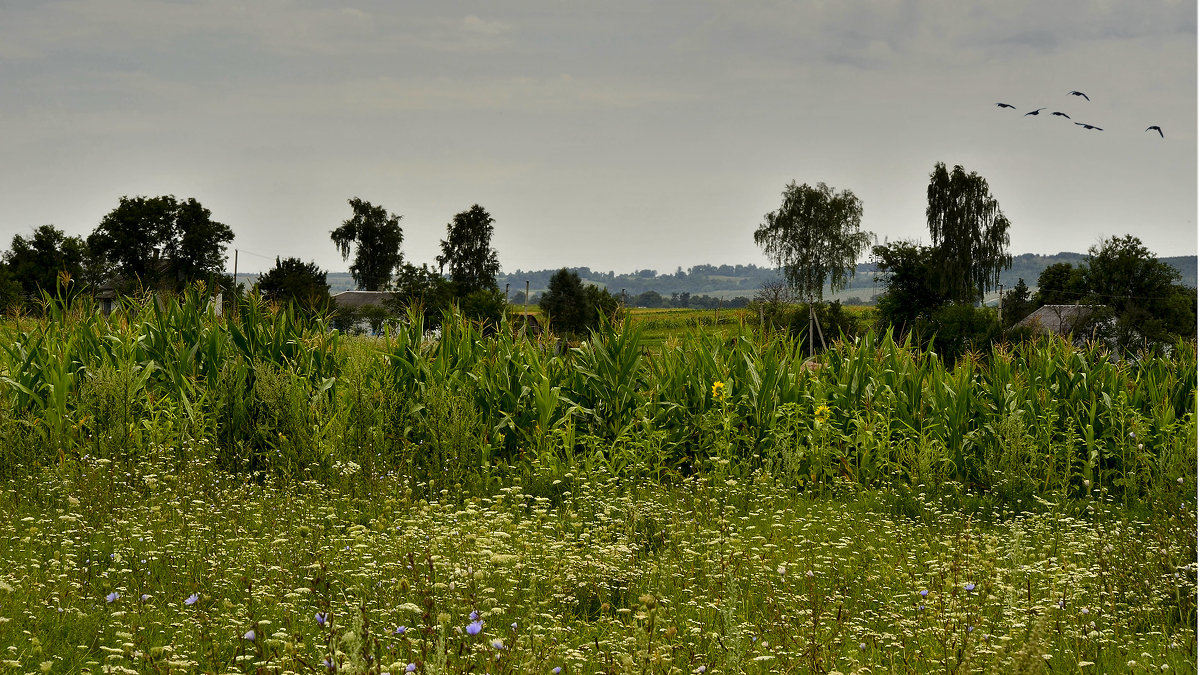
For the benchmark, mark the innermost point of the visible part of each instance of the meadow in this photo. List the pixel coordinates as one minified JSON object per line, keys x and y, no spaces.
{"x":187,"y":492}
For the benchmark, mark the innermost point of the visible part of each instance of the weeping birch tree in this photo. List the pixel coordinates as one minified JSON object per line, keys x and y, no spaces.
{"x":375,"y":237}
{"x":969,"y":233}
{"x":815,"y":239}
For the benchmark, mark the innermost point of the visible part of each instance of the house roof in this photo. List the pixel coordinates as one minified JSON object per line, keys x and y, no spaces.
{"x":1058,"y":319}
{"x":361,"y":298}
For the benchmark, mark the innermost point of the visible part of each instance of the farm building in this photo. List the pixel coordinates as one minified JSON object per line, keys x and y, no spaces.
{"x":1059,"y":319}
{"x":360,"y":299}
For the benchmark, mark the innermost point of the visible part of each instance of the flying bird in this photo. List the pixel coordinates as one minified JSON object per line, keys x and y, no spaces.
{"x":1078,"y":93}
{"x":1061,"y":114}
{"x":1156,"y":128}
{"x":1088,"y":126}
{"x":1005,"y":105}
{"x":1034,"y":112}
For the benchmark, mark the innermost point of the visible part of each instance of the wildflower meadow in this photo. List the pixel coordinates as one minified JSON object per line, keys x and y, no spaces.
{"x":185,"y":491}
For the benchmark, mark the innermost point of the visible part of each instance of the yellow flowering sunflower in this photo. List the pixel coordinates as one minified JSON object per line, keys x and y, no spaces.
{"x":821,"y":414}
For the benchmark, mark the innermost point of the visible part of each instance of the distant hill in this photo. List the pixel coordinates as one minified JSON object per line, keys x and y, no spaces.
{"x":729,"y":281}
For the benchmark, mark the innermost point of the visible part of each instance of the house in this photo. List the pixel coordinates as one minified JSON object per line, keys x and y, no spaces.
{"x":361,"y":299}
{"x":1059,"y":319}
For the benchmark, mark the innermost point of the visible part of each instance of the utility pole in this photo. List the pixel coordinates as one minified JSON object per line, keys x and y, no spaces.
{"x":1000,"y":307}
{"x":235,"y":285}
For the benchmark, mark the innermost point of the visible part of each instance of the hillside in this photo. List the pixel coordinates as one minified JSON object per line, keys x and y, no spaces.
{"x":729,"y":281}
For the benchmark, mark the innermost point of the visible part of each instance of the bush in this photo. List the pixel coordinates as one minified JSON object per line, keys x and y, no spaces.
{"x":955,"y":329}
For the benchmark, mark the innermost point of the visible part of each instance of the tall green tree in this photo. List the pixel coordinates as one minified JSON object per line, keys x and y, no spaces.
{"x":969,"y":232}
{"x":293,"y":280}
{"x":160,"y":242}
{"x":908,"y":270}
{"x":574,"y":308}
{"x":375,"y":237}
{"x":467,"y":251}
{"x":1143,"y":293}
{"x":1061,"y":284}
{"x":1016,"y":304}
{"x":37,"y":262}
{"x":814,"y":237}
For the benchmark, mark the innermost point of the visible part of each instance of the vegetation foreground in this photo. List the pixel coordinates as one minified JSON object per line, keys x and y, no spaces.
{"x":192,"y":493}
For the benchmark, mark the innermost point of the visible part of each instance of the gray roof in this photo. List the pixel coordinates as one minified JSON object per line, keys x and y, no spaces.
{"x":361,"y":298}
{"x":1058,"y":319}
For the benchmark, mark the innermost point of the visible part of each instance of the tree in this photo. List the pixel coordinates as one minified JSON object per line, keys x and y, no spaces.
{"x":1016,"y":304}
{"x":572,"y":308}
{"x":422,"y":290}
{"x":651,"y":299}
{"x":908,"y":270}
{"x":814,"y":238}
{"x":10,"y":290}
{"x":160,"y":242}
{"x":375,"y":236}
{"x":37,"y":262}
{"x":1146,"y":300}
{"x":1061,"y":284}
{"x":969,"y":233}
{"x":292,"y":280}
{"x":467,"y":251}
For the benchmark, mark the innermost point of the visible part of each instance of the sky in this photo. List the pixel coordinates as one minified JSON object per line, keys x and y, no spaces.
{"x":618,"y":135}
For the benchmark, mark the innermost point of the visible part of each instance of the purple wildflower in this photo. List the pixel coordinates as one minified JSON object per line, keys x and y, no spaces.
{"x":410,"y":668}
{"x":474,"y":627}
{"x":249,"y":635}
{"x":191,"y":599}
{"x":321,"y":618}
{"x":969,"y":586}
{"x":400,"y":630}
{"x":112,"y":597}
{"x":924,"y":593}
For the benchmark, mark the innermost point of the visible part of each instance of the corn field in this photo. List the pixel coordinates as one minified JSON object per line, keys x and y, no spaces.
{"x":272,"y":393}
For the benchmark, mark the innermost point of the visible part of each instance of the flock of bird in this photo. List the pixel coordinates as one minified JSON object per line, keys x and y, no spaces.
{"x":1153,"y":127}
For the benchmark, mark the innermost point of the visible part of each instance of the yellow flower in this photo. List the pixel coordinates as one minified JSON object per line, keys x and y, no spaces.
{"x":821,"y":414}
{"x":718,"y":391}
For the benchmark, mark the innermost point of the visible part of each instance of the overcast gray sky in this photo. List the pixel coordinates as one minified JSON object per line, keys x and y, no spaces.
{"x":619,"y":135}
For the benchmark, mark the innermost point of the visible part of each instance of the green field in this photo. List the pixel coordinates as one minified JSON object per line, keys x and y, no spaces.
{"x":252,"y":493}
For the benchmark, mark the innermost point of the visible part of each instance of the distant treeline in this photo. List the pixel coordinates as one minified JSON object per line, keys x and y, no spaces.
{"x":732,"y":281}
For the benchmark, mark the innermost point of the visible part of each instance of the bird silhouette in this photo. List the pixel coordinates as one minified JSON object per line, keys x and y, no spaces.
{"x":1089,"y":126}
{"x":1156,"y":128}
{"x":1061,"y":114}
{"x":1034,"y":112}
{"x":1078,"y":93}
{"x":1005,"y":105}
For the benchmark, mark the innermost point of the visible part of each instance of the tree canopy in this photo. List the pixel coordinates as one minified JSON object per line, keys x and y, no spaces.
{"x":375,"y":237}
{"x":293,"y":280}
{"x":1143,"y":293}
{"x":969,"y":232}
{"x":814,"y":237}
{"x":908,"y":270}
{"x":37,"y":262}
{"x":574,"y":308}
{"x":160,"y":241}
{"x":467,"y":252}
